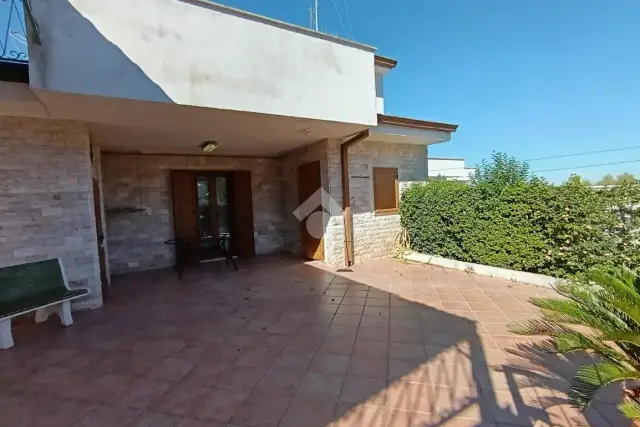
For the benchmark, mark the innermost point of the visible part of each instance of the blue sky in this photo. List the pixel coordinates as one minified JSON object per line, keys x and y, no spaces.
{"x":530,"y":78}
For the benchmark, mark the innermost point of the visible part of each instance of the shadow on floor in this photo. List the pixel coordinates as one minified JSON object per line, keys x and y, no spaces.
{"x":284,"y":343}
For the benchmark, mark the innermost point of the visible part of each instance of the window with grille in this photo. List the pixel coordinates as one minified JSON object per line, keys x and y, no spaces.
{"x":385,"y":190}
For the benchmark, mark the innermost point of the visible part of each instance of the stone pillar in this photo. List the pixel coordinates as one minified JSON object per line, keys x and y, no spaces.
{"x":46,"y":199}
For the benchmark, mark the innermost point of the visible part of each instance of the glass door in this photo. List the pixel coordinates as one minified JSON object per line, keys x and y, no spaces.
{"x":213,"y":214}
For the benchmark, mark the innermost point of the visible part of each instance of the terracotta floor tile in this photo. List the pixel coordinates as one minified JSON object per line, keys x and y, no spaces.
{"x":240,"y":378}
{"x":369,"y":333}
{"x":107,"y":416}
{"x":408,"y":371}
{"x":377,"y":302}
{"x":106,"y":389}
{"x":345,"y":331}
{"x":371,"y":349}
{"x":338,"y":345}
{"x":171,"y":370}
{"x":141,"y":392}
{"x":309,"y":413}
{"x":363,"y":390}
{"x":450,"y":297}
{"x":359,"y":415}
{"x":281,"y":381}
{"x":261,"y":410}
{"x":346,"y":319}
{"x":406,"y":351}
{"x":329,"y":364}
{"x":406,"y":336}
{"x":484,"y":306}
{"x":354,"y":300}
{"x":258,"y":356}
{"x":366,"y":367}
{"x":320,"y":386}
{"x":376,"y":311}
{"x":492,"y":317}
{"x":218,"y":405}
{"x":350,"y":309}
{"x":150,"y":419}
{"x":356,"y":294}
{"x":295,"y":361}
{"x":375,"y":321}
{"x":192,"y":422}
{"x":199,"y":350}
{"x":455,"y":305}
{"x":404,"y":323}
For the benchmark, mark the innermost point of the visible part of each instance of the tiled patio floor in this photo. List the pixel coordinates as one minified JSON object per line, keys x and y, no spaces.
{"x":283,"y":343}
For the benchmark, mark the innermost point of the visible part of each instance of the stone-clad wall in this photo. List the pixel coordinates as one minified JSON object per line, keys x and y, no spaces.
{"x":46,"y":199}
{"x":373,"y":235}
{"x":135,"y":239}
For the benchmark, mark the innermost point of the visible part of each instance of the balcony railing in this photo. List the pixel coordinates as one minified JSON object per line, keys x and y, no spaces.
{"x":13,"y":31}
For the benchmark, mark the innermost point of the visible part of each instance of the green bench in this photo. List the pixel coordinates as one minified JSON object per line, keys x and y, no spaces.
{"x":37,"y":286}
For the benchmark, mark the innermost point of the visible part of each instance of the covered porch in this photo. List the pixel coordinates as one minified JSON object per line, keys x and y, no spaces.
{"x":289,"y":343}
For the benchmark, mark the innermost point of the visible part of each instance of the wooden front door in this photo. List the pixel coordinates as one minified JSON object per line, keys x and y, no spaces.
{"x":210,"y":205}
{"x":311,"y":227}
{"x":185,"y":209}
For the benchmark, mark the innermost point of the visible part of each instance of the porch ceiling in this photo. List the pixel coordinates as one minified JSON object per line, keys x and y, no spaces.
{"x":121,"y":125}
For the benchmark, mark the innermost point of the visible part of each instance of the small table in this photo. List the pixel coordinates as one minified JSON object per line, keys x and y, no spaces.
{"x":186,"y":251}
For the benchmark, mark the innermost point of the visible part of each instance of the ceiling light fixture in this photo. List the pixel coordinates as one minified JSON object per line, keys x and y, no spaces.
{"x":208,"y":146}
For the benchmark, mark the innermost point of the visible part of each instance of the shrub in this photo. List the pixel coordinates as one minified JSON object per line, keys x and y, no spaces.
{"x":509,"y":218}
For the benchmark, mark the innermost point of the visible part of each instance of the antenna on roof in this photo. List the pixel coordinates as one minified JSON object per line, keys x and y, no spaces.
{"x":313,"y":15}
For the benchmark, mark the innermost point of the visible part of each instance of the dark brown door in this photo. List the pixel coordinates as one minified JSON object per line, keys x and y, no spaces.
{"x":183,"y":190}
{"x":104,"y":281}
{"x":214,"y":212}
{"x":311,"y":227}
{"x":242,"y":241}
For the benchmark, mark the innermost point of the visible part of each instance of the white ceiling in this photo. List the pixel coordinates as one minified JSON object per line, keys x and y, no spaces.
{"x":121,"y":125}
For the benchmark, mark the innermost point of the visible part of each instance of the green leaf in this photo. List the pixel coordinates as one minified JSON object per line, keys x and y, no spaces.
{"x":613,"y":284}
{"x":630,"y":409}
{"x":627,"y":337}
{"x":591,"y":378}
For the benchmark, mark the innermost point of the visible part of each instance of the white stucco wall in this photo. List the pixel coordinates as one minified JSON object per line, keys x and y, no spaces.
{"x":201,"y":54}
{"x":379,"y":93}
{"x":449,"y":168}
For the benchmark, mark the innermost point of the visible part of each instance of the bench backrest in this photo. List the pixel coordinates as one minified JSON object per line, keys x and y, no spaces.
{"x":25,"y":280}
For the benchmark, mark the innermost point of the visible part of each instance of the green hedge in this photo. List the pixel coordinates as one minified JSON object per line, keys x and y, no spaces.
{"x":509,"y":218}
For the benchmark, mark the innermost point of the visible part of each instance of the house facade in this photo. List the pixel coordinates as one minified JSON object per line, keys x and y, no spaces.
{"x":449,"y":168}
{"x":129,"y":127}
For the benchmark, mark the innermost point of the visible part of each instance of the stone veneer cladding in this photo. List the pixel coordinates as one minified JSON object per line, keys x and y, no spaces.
{"x":46,"y":199}
{"x":136,"y":239}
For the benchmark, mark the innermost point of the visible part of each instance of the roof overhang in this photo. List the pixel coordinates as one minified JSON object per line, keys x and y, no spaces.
{"x":415,"y":124}
{"x":384,"y":62}
{"x":410,"y":131}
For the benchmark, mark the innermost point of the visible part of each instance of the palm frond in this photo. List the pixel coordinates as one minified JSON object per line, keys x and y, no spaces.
{"x":567,"y":340}
{"x":626,"y":275}
{"x":538,"y":327}
{"x":626,"y":337}
{"x":614,"y":285}
{"x":630,"y":409}
{"x":591,"y":378}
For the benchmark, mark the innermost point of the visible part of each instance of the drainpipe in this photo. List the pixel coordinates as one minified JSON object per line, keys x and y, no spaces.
{"x":346,"y":196}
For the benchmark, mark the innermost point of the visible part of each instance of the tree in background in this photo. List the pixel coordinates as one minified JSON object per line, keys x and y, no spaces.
{"x":623,"y":178}
{"x":501,"y":171}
